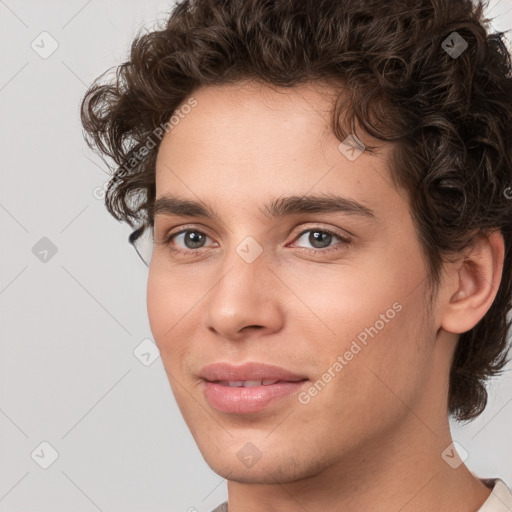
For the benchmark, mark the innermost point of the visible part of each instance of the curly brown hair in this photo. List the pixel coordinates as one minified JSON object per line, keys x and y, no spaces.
{"x":450,"y":116}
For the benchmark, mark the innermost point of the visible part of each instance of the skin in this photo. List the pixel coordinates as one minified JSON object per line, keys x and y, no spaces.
{"x":372,"y":438}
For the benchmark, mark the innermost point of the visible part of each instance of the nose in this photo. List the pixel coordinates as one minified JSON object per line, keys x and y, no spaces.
{"x":247,"y":299}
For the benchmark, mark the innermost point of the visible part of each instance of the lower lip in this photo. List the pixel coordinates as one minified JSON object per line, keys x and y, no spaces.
{"x":241,"y":400}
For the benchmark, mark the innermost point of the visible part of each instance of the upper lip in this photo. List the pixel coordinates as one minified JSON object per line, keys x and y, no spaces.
{"x":247,"y":371}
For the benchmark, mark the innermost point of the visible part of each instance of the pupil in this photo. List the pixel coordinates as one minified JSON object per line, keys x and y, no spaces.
{"x":319,"y":236}
{"x":193,"y":240}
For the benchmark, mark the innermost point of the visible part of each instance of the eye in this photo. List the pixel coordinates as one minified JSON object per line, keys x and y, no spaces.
{"x":191,"y":238}
{"x":321,"y":239}
{"x":187,"y":241}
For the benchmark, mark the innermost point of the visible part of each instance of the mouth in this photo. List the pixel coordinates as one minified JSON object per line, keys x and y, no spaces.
{"x":249,"y":388}
{"x":251,"y":383}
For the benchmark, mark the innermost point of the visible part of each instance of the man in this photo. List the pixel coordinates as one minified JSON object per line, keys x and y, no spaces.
{"x":327,"y":184}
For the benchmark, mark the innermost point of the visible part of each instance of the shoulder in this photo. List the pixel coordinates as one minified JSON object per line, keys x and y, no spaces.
{"x":223,"y":507}
{"x":500,"y":499}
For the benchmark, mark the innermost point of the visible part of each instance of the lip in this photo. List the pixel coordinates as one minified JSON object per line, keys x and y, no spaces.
{"x":247,"y":371}
{"x":242,"y":400}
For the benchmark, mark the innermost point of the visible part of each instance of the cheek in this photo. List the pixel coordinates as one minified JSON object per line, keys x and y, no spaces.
{"x":165,"y":309}
{"x":157,"y":306}
{"x":376,"y":325}
{"x":170,"y":301}
{"x":163,"y":315}
{"x":339,"y":302}
{"x":384,"y":372}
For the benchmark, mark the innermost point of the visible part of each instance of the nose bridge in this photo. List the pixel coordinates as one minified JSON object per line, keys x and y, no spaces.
{"x":240,"y":297}
{"x":245,"y":245}
{"x":243,"y":267}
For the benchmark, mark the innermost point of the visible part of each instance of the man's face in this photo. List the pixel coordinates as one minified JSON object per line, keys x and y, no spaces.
{"x":347,"y":322}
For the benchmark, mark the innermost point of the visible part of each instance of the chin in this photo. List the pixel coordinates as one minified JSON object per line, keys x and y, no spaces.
{"x":271,"y":468}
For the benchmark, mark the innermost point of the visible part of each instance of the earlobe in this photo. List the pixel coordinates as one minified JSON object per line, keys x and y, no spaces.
{"x":476,"y":283}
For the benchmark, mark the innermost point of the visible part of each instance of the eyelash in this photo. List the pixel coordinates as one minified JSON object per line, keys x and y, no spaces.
{"x":193,"y":252}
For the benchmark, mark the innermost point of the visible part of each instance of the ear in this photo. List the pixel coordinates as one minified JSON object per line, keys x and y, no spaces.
{"x":473,"y":284}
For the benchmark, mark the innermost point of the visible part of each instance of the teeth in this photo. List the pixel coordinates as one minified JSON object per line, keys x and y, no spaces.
{"x":251,"y":383}
{"x":247,"y":383}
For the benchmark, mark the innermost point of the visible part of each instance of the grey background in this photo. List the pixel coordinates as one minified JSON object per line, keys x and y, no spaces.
{"x":70,"y":325}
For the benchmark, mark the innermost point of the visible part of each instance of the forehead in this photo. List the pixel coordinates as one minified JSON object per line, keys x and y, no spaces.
{"x":242,"y":115}
{"x":252,"y":95}
{"x":252,"y":139}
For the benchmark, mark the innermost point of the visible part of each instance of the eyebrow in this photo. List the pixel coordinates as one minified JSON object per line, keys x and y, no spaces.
{"x":278,"y":207}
